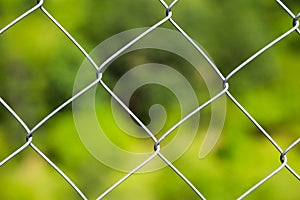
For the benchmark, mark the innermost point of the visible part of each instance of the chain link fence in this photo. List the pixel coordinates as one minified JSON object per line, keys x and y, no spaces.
{"x":283,"y":153}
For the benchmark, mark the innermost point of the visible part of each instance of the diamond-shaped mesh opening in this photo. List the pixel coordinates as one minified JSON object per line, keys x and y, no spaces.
{"x":249,"y":155}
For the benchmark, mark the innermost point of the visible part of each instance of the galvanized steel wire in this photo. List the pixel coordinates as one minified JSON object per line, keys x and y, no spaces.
{"x":282,"y":153}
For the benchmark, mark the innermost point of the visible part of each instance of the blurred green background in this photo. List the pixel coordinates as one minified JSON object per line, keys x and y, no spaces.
{"x":38,"y":66}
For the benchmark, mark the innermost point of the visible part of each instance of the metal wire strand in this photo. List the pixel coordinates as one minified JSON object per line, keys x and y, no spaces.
{"x":168,"y":7}
{"x":70,"y":37}
{"x":156,"y":142}
{"x":295,"y":17}
{"x":293,"y":145}
{"x":124,"y":48}
{"x":264,"y":180}
{"x":193,"y":113}
{"x":62,"y":174}
{"x":16,"y":116}
{"x":254,"y":121}
{"x":29,"y":142}
{"x":181,"y":176}
{"x":261,"y":51}
{"x":16,"y":152}
{"x":128,"y":110}
{"x":207,"y":58}
{"x":40,"y":3}
{"x":59,"y":108}
{"x":130,"y":173}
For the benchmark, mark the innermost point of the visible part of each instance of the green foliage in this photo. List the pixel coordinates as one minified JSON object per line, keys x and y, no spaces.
{"x":38,"y":66}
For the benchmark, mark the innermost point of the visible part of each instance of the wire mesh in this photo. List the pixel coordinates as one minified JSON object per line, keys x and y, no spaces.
{"x":283,"y":153}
